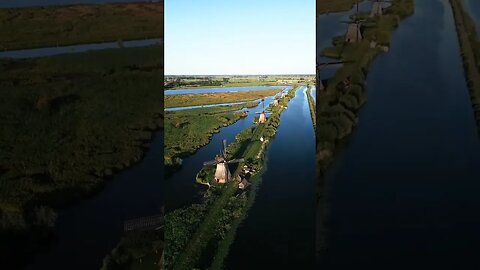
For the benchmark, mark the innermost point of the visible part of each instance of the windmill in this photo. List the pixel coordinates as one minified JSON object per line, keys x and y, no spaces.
{"x":222,"y":173}
{"x":275,"y":102}
{"x":262,"y":118}
{"x":322,"y":66}
{"x":377,"y":8}
{"x":354,"y":33}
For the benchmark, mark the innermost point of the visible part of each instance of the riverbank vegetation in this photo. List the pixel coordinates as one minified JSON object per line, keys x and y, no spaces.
{"x":185,"y":100}
{"x":188,"y":130}
{"x":470,"y":46}
{"x":327,"y":6}
{"x":200,"y":235}
{"x":68,"y":123}
{"x":312,"y":107}
{"x":35,"y":27}
{"x":137,"y":250}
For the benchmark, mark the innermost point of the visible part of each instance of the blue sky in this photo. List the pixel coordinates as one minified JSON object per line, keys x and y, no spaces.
{"x":226,"y":37}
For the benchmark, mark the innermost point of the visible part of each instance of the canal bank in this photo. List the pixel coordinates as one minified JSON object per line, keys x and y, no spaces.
{"x":403,"y":192}
{"x":279,"y":229}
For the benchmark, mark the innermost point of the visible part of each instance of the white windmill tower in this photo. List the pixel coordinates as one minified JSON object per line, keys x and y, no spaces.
{"x":262,"y":118}
{"x":222,"y":173}
{"x":354,"y":32}
{"x":377,"y":8}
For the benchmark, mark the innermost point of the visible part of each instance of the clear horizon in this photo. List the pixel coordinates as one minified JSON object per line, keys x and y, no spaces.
{"x":228,"y":38}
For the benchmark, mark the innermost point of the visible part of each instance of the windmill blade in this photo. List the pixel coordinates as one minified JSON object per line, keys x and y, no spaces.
{"x":224,"y":144}
{"x":210,"y":163}
{"x":357,"y":30}
{"x":238,"y":160}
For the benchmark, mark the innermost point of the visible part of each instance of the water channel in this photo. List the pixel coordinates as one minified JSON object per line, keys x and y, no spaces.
{"x":50,"y":51}
{"x":403,"y":193}
{"x":181,"y":186}
{"x":279,"y":231}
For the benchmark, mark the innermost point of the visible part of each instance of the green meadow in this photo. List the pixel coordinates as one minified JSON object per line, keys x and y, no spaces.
{"x":35,"y":27}
{"x":184,"y":100}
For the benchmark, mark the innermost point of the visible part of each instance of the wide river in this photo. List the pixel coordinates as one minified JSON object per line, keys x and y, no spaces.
{"x":87,"y":231}
{"x":404,"y":192}
{"x":279,"y":231}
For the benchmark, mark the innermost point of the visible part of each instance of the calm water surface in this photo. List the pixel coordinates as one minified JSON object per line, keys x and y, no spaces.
{"x":279,"y":231}
{"x":221,"y":90}
{"x":89,"y":230}
{"x":404,"y":192}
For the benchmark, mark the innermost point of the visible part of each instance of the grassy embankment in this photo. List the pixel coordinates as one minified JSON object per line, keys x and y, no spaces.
{"x":68,"y":123}
{"x":184,"y":100}
{"x":338,"y":106}
{"x":35,"y":27}
{"x":326,"y":6}
{"x":470,"y":46}
{"x":199,"y":236}
{"x":312,"y":106}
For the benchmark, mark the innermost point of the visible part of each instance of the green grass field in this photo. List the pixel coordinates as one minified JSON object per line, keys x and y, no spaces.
{"x":22,"y":28}
{"x":184,"y":100}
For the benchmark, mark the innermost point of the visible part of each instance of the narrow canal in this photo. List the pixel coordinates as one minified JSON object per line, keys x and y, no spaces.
{"x":87,"y":231}
{"x":37,"y":3}
{"x":279,"y":231}
{"x":50,"y":51}
{"x":403,"y":194}
{"x":181,"y":186}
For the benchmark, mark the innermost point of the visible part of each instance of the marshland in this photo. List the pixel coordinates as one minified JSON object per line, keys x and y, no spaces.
{"x":81,"y":135}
